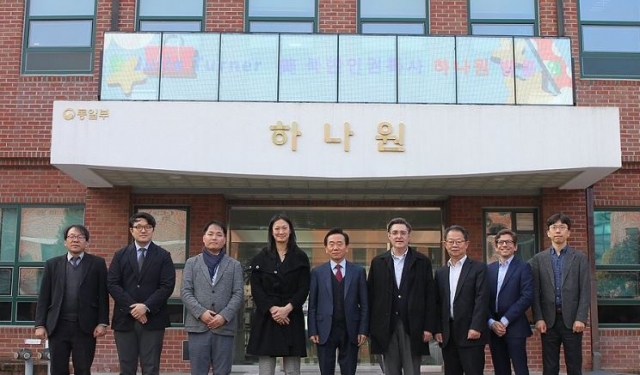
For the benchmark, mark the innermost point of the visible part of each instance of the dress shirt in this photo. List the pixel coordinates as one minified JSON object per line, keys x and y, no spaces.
{"x":454,"y":275}
{"x":398,"y":265}
{"x":503,"y":267}
{"x":69,"y":257}
{"x":342,"y":264}
{"x":557,"y":263}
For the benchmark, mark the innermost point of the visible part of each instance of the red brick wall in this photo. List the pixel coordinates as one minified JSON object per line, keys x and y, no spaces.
{"x":448,"y":17}
{"x":337,"y":17}
{"x":225,"y":16}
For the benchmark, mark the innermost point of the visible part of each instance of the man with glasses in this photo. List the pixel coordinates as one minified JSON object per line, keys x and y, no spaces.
{"x":141,"y":279}
{"x":511,"y":294}
{"x":401,"y":302}
{"x":462,"y":299}
{"x":73,"y":304}
{"x":562,"y":294}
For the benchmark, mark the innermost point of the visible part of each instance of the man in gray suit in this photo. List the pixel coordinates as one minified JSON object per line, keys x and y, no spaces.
{"x":213,"y":293}
{"x":562,"y":293}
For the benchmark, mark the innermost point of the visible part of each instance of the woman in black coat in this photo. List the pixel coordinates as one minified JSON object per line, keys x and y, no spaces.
{"x":280,"y":276}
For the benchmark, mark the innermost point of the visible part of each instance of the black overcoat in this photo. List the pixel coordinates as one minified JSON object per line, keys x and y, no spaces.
{"x":421,"y":303}
{"x":275,"y":283}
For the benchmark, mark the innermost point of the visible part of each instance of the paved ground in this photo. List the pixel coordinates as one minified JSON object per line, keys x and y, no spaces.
{"x":365,"y":370}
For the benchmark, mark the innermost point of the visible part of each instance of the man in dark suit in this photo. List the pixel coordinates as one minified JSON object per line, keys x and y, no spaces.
{"x":402,"y":303}
{"x":462,"y":299}
{"x":141,"y":279}
{"x":511,"y":294}
{"x":562,"y":294}
{"x":338,"y":307}
{"x":73,"y":304}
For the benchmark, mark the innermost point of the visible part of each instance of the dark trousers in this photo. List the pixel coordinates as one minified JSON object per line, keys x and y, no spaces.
{"x":506,"y":350}
{"x":347,"y":353}
{"x":572,"y":342}
{"x":460,"y":360}
{"x":139,"y":343}
{"x":69,"y":340}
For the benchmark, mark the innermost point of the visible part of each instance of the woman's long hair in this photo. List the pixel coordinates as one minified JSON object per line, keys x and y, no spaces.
{"x":291,"y":243}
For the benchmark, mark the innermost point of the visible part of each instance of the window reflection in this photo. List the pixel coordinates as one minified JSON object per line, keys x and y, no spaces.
{"x":30,"y":278}
{"x":171,"y":231}
{"x":176,"y":290}
{"x":617,"y":284}
{"x":9,"y":229}
{"x":41,"y":231}
{"x":6,"y":281}
{"x":617,"y":253}
{"x":523,"y":223}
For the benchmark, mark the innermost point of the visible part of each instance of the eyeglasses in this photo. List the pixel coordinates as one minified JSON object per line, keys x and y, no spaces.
{"x":504,"y":242}
{"x":79,"y":237}
{"x":454,"y":242}
{"x":399,"y":233}
{"x":559,"y":227}
{"x":140,"y":228}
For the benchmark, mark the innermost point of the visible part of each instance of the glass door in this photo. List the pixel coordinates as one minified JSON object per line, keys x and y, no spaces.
{"x":368,"y":238}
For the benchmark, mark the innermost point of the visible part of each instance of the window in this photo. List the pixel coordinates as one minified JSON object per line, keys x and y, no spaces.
{"x":29,"y":236}
{"x":405,"y":17}
{"x":171,"y":233}
{"x":170,"y":15}
{"x":617,"y":253}
{"x":610,"y":38}
{"x":524,"y":222}
{"x":59,"y":37}
{"x":503,"y":17}
{"x":281,"y":16}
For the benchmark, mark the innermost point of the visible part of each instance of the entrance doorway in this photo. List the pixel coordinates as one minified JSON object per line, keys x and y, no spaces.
{"x":368,"y":237}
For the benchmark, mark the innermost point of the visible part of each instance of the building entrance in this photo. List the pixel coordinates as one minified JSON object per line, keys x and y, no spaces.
{"x":368,"y":238}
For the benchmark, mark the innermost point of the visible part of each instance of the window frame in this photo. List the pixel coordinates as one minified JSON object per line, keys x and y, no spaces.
{"x":535,"y":22}
{"x":283,"y":20}
{"x":393,"y":20}
{"x":606,"y":55}
{"x":140,"y":19}
{"x":603,"y":301}
{"x":179,"y":267}
{"x":15,"y":298}
{"x":535,"y":233}
{"x":26,"y":49}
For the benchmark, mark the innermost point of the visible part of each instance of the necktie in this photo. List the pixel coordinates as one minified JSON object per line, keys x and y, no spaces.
{"x":338,"y":273}
{"x":75,"y":261}
{"x":141,"y":254}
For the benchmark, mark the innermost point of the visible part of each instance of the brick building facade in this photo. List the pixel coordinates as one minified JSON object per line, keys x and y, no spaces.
{"x":33,"y":186}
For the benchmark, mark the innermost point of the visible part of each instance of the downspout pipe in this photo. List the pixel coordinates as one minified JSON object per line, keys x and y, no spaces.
{"x":596,"y":356}
{"x":559,"y":17}
{"x":115,"y":15}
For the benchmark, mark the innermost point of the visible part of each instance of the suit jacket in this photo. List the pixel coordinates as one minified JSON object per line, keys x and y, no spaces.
{"x":153,"y":285}
{"x":470,"y":303}
{"x":418,"y":276}
{"x":93,"y":298}
{"x":575,"y":288}
{"x":516,"y":296}
{"x":225,"y":296}
{"x":356,"y":302}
